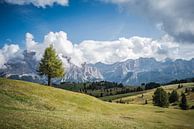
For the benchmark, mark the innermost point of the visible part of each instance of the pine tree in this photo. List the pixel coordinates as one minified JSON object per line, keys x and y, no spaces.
{"x":160,"y":98}
{"x":173,"y":96}
{"x":50,"y":65}
{"x":183,"y":103}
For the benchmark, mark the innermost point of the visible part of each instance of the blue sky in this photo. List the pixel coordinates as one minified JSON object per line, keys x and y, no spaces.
{"x":105,"y":31}
{"x":81,"y":20}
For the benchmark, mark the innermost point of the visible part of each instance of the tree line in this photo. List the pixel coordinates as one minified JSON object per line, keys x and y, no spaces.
{"x":163,"y":99}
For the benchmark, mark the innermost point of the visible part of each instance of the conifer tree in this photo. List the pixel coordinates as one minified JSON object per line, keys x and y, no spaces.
{"x":160,"y":98}
{"x":183,"y":103}
{"x":50,"y":65}
{"x":173,"y":96}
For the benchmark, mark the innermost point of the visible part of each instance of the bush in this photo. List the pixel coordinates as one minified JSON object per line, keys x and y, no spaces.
{"x":173,"y":96}
{"x":183,"y":103}
{"x":146,"y":101}
{"x":160,"y":98}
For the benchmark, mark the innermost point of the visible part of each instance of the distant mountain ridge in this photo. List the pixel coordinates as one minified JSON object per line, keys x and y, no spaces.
{"x":133,"y":72}
{"x":145,"y":70}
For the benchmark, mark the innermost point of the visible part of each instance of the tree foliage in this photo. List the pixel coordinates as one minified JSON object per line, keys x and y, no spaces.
{"x":50,"y":65}
{"x":184,"y":104}
{"x":151,"y":85}
{"x":173,"y":96}
{"x":160,"y":98}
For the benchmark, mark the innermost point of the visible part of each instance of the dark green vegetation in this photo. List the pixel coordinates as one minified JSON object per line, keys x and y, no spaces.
{"x":106,"y":90}
{"x":25,"y":105}
{"x":50,"y":65}
{"x":173,"y":97}
{"x":160,"y":98}
{"x":184,"y":104}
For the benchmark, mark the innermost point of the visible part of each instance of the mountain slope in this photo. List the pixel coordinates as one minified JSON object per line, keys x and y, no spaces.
{"x":28,"y":105}
{"x":25,"y":69}
{"x":82,"y":74}
{"x":130,"y":72}
{"x":144,"y":70}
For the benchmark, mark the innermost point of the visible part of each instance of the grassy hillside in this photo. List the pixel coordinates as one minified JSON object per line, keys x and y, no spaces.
{"x":118,"y":96}
{"x":147,"y":95}
{"x":25,"y":105}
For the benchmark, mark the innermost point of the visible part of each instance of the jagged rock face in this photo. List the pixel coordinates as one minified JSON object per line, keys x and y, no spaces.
{"x":25,"y":69}
{"x":82,"y":74}
{"x":145,"y":70}
{"x":132,"y":72}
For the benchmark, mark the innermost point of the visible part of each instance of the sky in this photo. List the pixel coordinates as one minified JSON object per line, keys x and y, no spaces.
{"x":93,"y":31}
{"x":81,"y":19}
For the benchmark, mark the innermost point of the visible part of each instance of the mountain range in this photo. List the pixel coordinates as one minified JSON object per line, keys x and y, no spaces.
{"x":129,"y":72}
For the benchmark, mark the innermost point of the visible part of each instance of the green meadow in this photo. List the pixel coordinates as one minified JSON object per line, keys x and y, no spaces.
{"x":25,"y":105}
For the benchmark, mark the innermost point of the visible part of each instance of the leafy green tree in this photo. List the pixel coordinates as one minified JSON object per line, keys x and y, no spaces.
{"x":184,"y":104}
{"x":173,"y":96}
{"x":50,"y":65}
{"x":160,"y":98}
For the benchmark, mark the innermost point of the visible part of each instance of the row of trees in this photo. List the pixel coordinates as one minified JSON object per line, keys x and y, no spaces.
{"x":162,"y":98}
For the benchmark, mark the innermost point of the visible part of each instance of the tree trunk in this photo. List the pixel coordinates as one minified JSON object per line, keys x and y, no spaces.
{"x":49,"y":81}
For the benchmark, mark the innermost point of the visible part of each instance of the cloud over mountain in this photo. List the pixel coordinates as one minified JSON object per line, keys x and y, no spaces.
{"x":9,"y":52}
{"x":91,"y":51}
{"x":38,"y":3}
{"x":175,"y":16}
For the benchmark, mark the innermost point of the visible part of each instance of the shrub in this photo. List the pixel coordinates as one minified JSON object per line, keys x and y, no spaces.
{"x":146,"y":101}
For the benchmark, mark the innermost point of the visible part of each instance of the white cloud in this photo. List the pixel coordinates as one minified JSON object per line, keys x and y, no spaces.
{"x":123,"y":49}
{"x":9,"y":52}
{"x":38,"y":3}
{"x":62,"y":45}
{"x":175,"y":16}
{"x":91,"y":51}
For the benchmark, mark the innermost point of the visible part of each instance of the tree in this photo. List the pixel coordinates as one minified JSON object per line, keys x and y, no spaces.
{"x":146,"y":101}
{"x":151,"y":85}
{"x":160,"y":98}
{"x":50,"y":65}
{"x":183,"y":103}
{"x":173,"y":96}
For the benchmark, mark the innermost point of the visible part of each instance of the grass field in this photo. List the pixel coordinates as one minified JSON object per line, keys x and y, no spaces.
{"x":25,"y":105}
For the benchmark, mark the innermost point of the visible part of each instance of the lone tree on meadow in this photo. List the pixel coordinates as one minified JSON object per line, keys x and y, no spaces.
{"x":173,"y":96}
{"x":50,"y":65}
{"x":160,"y":98}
